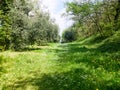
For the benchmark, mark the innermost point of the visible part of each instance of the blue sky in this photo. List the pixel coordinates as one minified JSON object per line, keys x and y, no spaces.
{"x":56,"y":8}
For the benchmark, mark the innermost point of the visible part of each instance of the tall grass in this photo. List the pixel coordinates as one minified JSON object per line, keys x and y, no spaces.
{"x":75,"y":66}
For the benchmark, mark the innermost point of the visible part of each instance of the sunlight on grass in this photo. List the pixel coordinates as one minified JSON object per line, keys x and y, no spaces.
{"x":60,"y":67}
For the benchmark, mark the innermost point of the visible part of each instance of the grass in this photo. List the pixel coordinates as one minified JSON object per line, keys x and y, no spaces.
{"x":83,"y":65}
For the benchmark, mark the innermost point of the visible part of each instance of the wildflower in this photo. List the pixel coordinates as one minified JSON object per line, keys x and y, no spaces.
{"x":97,"y":89}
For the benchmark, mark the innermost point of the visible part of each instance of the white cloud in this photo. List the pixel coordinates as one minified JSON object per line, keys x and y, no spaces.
{"x":62,"y":21}
{"x":67,"y":0}
{"x":51,"y":4}
{"x":56,"y":8}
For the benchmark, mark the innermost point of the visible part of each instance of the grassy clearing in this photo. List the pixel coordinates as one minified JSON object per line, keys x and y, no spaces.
{"x":76,"y":66}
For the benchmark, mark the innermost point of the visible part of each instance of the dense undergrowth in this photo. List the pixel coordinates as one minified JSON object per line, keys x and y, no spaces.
{"x":81,"y":65}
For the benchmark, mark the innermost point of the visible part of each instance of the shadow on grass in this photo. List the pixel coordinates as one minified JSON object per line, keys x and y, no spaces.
{"x":30,"y":49}
{"x":76,"y":79}
{"x":73,"y":48}
{"x":110,"y":47}
{"x":94,"y":57}
{"x":94,"y":39}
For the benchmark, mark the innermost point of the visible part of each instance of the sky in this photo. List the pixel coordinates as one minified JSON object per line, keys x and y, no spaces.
{"x":56,"y":8}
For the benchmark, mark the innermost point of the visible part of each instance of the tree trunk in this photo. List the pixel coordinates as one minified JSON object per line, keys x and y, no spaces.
{"x":117,"y":12}
{"x":117,"y":15}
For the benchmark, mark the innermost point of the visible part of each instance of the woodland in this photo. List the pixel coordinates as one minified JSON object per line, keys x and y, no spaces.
{"x":33,"y":58}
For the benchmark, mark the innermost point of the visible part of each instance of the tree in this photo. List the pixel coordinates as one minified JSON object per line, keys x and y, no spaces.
{"x":69,"y":35}
{"x":18,"y":28}
{"x":42,"y":29}
{"x":19,"y":22}
{"x":95,"y":16}
{"x":5,"y":28}
{"x":117,"y":15}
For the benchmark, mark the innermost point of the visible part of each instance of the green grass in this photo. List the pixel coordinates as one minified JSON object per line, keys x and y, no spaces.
{"x":83,"y":65}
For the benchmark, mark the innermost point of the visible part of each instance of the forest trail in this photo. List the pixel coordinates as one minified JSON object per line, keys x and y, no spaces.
{"x":59,"y":67}
{"x":87,"y":59}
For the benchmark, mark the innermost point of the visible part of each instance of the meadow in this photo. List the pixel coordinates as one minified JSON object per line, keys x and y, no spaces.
{"x":82,"y":65}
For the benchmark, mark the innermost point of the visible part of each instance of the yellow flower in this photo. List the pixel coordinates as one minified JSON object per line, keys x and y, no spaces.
{"x":97,"y":89}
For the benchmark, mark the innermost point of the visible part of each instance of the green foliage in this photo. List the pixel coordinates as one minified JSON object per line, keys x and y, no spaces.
{"x":42,"y":30}
{"x":94,"y":17}
{"x":19,"y":29}
{"x":19,"y":26}
{"x":79,"y":65}
{"x":5,"y":27}
{"x":91,"y":64}
{"x":69,"y":35}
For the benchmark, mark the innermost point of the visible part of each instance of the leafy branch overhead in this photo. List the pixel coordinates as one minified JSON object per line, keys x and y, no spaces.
{"x":94,"y":17}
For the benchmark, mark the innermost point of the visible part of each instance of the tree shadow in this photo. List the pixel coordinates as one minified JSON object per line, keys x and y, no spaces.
{"x":110,"y":47}
{"x":73,"y":48}
{"x":93,"y":57}
{"x":75,"y":79}
{"x":72,"y":80}
{"x":32,"y":49}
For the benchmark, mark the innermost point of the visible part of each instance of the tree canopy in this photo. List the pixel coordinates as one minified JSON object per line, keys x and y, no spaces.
{"x":94,"y":17}
{"x":19,"y":29}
